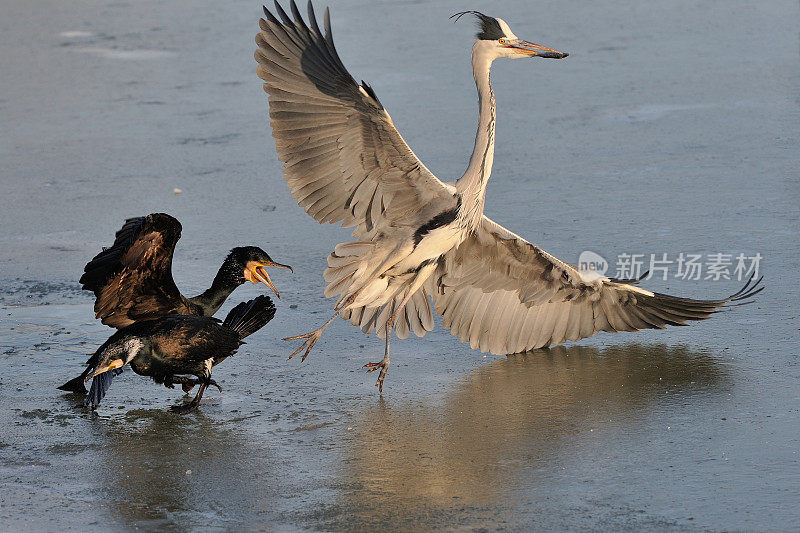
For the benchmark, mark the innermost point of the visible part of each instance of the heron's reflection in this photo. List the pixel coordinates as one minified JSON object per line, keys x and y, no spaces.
{"x":520,"y":412}
{"x":164,"y":472}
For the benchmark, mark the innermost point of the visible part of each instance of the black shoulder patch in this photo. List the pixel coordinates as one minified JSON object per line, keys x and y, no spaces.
{"x":442,"y":219}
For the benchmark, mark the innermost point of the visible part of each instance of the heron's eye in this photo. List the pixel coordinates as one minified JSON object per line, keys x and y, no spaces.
{"x":502,"y":41}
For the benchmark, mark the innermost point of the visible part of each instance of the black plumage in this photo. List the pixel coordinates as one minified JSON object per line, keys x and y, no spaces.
{"x":174,"y":347}
{"x":132,"y":279}
{"x":442,"y":219}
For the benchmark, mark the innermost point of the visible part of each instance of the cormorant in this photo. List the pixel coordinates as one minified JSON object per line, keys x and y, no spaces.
{"x":173,"y":346}
{"x":132,"y":280}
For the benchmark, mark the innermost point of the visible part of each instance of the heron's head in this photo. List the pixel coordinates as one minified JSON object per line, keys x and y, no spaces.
{"x":116,"y":354}
{"x":495,"y":39}
{"x":248,"y":263}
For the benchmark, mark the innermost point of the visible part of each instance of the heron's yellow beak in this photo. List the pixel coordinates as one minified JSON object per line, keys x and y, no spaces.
{"x":116,"y":363}
{"x":535,"y":50}
{"x":257,"y":273}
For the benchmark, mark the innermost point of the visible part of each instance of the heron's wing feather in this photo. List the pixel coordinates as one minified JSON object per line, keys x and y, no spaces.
{"x":505,"y":295}
{"x":132,"y":280}
{"x":344,"y":160}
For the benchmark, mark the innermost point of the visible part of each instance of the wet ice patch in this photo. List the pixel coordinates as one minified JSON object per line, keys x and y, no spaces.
{"x":653,"y":111}
{"x":76,"y":34}
{"x":750,"y":321}
{"x":126,"y":55}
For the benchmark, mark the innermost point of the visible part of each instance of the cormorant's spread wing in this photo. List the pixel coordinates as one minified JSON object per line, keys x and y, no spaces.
{"x":504,"y":295}
{"x":99,"y":388}
{"x":132,"y":280}
{"x":343,"y":158}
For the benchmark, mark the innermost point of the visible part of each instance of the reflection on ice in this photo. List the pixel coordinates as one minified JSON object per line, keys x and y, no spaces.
{"x":505,"y":420}
{"x":161,"y":471}
{"x":112,"y":53}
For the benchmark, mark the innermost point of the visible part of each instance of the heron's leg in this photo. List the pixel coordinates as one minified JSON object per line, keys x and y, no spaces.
{"x":311,"y":339}
{"x":383,"y":364}
{"x":419,"y":281}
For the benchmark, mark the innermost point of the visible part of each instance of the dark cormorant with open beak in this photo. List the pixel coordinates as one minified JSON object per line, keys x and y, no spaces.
{"x":132,"y":280}
{"x":173,"y":347}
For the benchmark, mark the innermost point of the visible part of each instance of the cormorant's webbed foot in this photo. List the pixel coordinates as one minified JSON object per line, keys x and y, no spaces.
{"x":191,"y":406}
{"x":187,"y":384}
{"x":186,"y":408}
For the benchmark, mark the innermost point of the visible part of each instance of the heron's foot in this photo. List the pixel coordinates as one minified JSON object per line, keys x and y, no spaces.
{"x":383,"y":365}
{"x":311,"y":340}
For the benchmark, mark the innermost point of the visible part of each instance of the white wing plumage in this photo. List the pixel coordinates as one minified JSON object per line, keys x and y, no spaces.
{"x":344,"y":160}
{"x":504,"y":295}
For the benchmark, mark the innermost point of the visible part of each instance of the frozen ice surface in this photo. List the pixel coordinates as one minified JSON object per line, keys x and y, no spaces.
{"x":672,"y":127}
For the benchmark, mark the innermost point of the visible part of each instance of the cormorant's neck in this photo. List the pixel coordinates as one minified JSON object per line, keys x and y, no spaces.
{"x":472,"y":185}
{"x":224,"y":284}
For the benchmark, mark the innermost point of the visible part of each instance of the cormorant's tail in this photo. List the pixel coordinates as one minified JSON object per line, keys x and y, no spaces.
{"x":248,"y":317}
{"x":77,"y":384}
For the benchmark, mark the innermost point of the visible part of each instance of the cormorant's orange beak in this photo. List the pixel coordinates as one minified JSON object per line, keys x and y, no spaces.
{"x":257,"y":273}
{"x":116,"y":363}
{"x":535,"y":50}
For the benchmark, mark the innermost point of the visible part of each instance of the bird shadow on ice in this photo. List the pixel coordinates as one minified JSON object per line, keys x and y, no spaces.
{"x":162,"y":471}
{"x":409,"y":461}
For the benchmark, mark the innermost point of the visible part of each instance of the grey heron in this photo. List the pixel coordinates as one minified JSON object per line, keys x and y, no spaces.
{"x":418,"y":238}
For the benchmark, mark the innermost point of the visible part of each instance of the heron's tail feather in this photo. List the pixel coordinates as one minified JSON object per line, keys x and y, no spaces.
{"x":344,"y":265}
{"x":417,"y":317}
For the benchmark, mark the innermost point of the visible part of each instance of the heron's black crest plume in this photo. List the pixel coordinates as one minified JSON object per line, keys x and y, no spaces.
{"x":490,"y":28}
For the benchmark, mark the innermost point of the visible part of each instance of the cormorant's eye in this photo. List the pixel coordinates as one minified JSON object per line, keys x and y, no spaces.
{"x":502,"y":41}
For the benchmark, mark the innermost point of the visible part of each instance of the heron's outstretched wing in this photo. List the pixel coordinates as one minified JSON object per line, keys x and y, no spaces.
{"x":504,"y":295}
{"x":132,"y":280}
{"x":343,"y":158}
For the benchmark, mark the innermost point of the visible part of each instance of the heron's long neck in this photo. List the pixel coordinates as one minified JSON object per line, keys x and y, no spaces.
{"x":472,"y":185}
